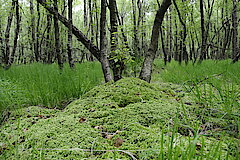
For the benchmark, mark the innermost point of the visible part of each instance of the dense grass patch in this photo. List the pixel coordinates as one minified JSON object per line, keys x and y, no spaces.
{"x":46,"y":85}
{"x":221,"y":71}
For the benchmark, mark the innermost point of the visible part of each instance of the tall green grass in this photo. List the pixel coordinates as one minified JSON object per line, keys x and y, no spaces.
{"x":215,"y":85}
{"x":222,"y":71}
{"x":46,"y":85}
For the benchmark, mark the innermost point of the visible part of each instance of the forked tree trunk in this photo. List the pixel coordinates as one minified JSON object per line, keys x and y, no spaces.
{"x":150,"y":56}
{"x":11,"y":60}
{"x":80,"y":36}
{"x":7,"y":35}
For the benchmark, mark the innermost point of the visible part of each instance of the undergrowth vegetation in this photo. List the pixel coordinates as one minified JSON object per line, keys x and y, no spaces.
{"x":46,"y":85}
{"x":187,"y":112}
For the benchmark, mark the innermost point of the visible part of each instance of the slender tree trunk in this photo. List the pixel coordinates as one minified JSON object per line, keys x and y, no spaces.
{"x":7,"y":35}
{"x":150,"y":56}
{"x":117,"y":64}
{"x":69,"y":45}
{"x":33,"y":28}
{"x":183,"y":33}
{"x":16,"y":35}
{"x":38,"y":48}
{"x":103,"y":44}
{"x":57,"y":37}
{"x":90,"y":57}
{"x":135,"y":30}
{"x":235,"y":45}
{"x":170,"y":36}
{"x":2,"y":50}
{"x":85,"y":13}
{"x":203,"y":47}
{"x":48,"y":50}
{"x":163,"y":47}
{"x":80,"y":36}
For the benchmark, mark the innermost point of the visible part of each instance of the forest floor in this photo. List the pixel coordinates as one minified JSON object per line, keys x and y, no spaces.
{"x":187,"y":112}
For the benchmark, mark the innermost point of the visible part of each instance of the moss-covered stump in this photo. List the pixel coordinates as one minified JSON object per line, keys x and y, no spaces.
{"x":123,"y":120}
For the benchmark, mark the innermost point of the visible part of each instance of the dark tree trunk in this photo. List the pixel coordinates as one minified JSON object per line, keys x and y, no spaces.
{"x":235,"y":45}
{"x":16,"y":35}
{"x":135,"y":31}
{"x":150,"y":56}
{"x":57,"y":37}
{"x":90,"y":26}
{"x":203,"y":47}
{"x":69,"y":45}
{"x":183,"y":33}
{"x":117,"y":64}
{"x":7,"y":35}
{"x":103,"y":44}
{"x":80,"y":36}
{"x":48,"y":50}
{"x":85,"y":13}
{"x":34,"y":44}
{"x":38,"y":48}
{"x":2,"y":50}
{"x":163,"y":47}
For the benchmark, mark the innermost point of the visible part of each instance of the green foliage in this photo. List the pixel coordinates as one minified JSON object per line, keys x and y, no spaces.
{"x":45,"y":85}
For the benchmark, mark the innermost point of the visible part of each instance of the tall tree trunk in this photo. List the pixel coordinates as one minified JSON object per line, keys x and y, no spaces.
{"x":16,"y":35}
{"x":203,"y":47}
{"x":117,"y":64}
{"x":80,"y":36}
{"x":48,"y":50}
{"x":57,"y":37}
{"x":7,"y":35}
{"x":85,"y":13}
{"x":235,"y":45}
{"x":163,"y":47}
{"x":103,"y":44}
{"x":183,"y":33}
{"x":69,"y":45}
{"x":35,"y":51}
{"x":2,"y":50}
{"x":90,"y":56}
{"x":150,"y":56}
{"x":38,"y":48}
{"x":135,"y":31}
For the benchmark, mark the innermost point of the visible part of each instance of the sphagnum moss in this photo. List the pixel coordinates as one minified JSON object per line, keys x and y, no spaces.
{"x":142,"y":115}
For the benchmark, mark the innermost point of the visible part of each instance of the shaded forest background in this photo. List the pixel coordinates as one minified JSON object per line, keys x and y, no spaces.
{"x":191,"y":31}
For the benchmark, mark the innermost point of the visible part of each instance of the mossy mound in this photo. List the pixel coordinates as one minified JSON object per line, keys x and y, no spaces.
{"x":127,"y":115}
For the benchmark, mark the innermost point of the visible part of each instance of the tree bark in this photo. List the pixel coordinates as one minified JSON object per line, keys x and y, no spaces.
{"x":7,"y":35}
{"x":80,"y":36}
{"x":57,"y":37}
{"x":35,"y":51}
{"x":103,"y":44}
{"x":203,"y":47}
{"x":16,"y":35}
{"x":69,"y":45}
{"x":183,"y":48}
{"x":150,"y":56}
{"x":235,"y":45}
{"x":116,"y":63}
